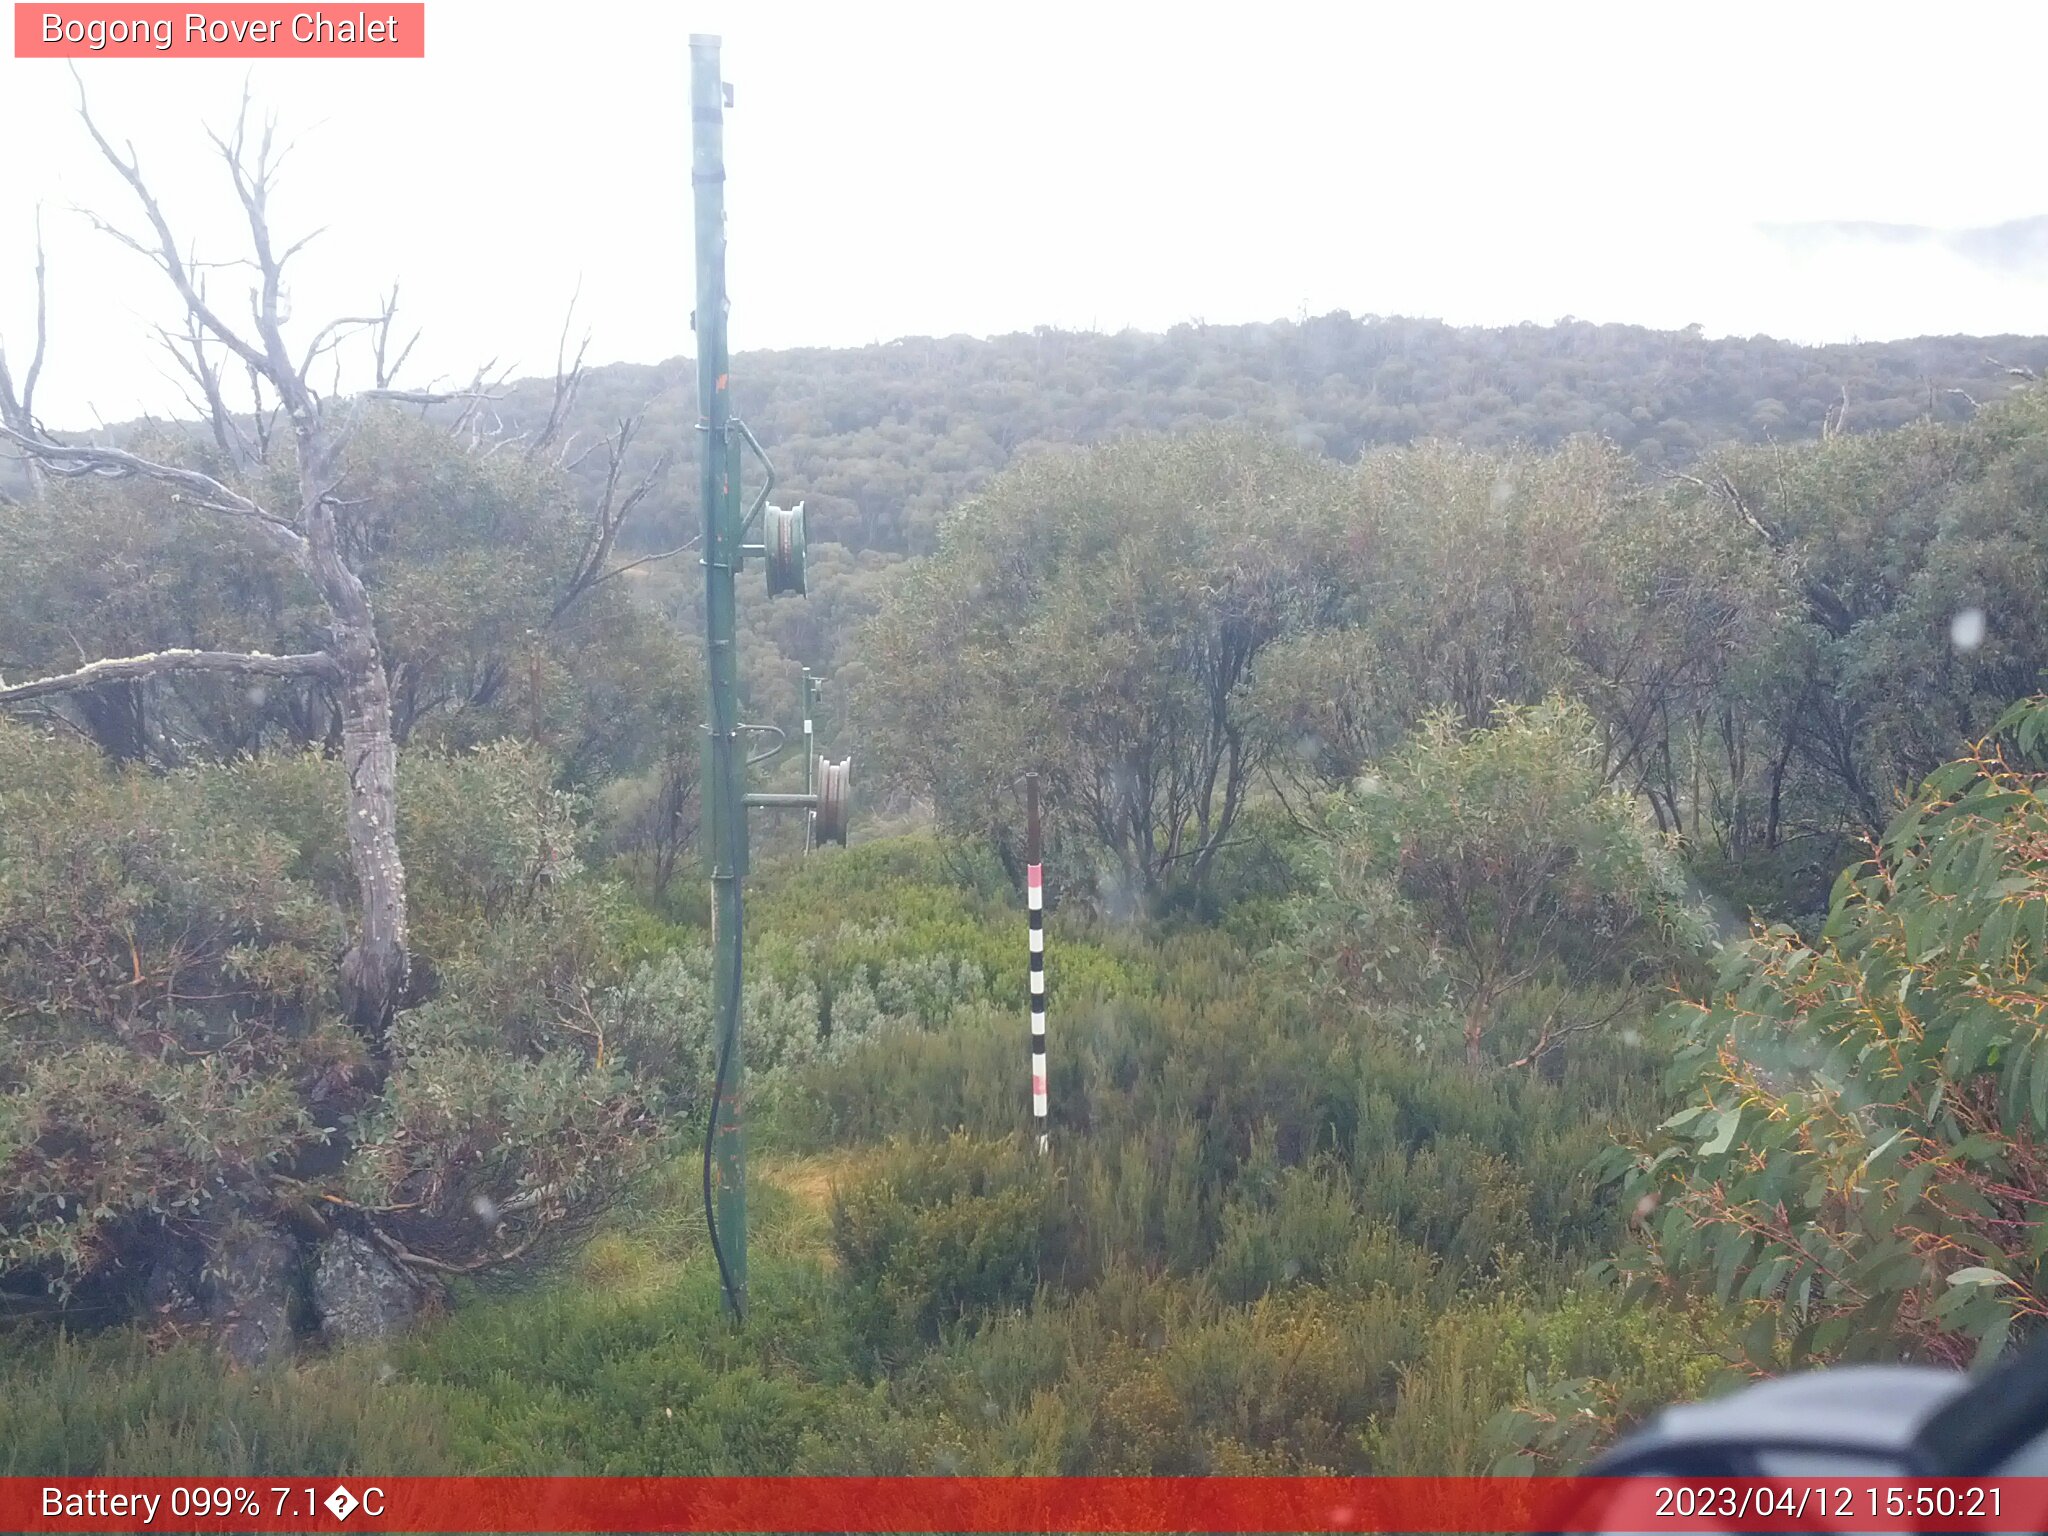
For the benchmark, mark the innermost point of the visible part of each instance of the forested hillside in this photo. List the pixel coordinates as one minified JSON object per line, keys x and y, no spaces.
{"x":882,"y":440}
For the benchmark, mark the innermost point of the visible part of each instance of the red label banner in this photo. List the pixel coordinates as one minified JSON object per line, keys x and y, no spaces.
{"x":1022,"y":1504}
{"x":224,"y":31}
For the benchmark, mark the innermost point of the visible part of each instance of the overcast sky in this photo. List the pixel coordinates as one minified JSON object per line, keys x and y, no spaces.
{"x":1822,"y":172}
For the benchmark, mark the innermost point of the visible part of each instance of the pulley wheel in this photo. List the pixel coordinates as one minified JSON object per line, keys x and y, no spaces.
{"x":782,"y":533}
{"x":835,"y":790}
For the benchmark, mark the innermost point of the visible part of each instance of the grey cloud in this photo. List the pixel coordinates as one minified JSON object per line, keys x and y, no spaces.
{"x":2018,"y":245}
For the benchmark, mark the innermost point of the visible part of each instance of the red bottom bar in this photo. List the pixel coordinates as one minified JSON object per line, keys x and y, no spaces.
{"x":1021,"y":1504}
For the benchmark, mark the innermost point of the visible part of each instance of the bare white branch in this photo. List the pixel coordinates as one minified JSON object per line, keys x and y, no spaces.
{"x":195,"y":489}
{"x":162,"y":663}
{"x":165,"y":253}
{"x":428,"y":396}
{"x":332,"y":334}
{"x":189,"y":351}
{"x":568,"y":379}
{"x":610,"y":517}
{"x":17,"y":410}
{"x":389,"y":370}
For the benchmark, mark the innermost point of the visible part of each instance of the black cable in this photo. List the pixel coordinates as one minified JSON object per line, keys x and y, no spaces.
{"x":725,"y":1044}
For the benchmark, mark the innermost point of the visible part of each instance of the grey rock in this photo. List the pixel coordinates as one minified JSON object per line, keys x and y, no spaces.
{"x":173,"y":1288}
{"x":359,"y":1294}
{"x":251,"y":1278}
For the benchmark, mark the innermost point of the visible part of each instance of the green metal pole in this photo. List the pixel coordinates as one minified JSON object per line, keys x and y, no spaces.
{"x":725,"y":1167}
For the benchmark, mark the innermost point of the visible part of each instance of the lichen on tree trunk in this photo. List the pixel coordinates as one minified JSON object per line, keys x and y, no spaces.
{"x":373,"y":971}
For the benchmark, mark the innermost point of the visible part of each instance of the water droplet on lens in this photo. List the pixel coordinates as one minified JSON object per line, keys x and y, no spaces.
{"x":1966,"y":629}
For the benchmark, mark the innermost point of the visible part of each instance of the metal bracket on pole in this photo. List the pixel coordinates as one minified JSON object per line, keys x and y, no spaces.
{"x":828,"y":786}
{"x":767,"y":483}
{"x":781,"y":744}
{"x":782,"y":536}
{"x":827,"y":804}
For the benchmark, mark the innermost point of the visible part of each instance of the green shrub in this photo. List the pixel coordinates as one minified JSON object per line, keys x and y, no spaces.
{"x":1471,"y":863}
{"x":1517,"y":1383}
{"x":175,"y":1059}
{"x":1306,"y":1230}
{"x":931,"y":1234}
{"x":113,"y":1406}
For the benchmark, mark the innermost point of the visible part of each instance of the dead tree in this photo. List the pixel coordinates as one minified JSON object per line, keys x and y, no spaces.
{"x":18,"y":405}
{"x":608,"y":517}
{"x":374,"y":968}
{"x":569,"y":378}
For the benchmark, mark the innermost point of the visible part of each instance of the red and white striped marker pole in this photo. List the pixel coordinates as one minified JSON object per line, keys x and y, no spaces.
{"x":1034,"y":900}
